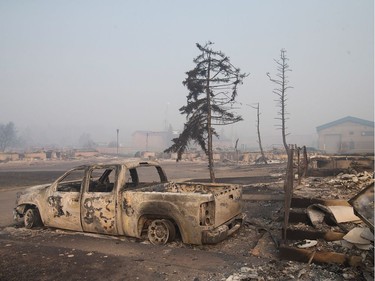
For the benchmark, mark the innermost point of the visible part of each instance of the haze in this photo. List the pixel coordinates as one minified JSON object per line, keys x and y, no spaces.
{"x":69,"y":68}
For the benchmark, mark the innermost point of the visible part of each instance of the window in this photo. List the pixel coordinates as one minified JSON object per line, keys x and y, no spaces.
{"x":102,"y":179}
{"x":72,"y":181}
{"x":143,"y":176}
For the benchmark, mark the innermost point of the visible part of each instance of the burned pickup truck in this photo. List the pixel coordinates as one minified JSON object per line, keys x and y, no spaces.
{"x":133,"y":199}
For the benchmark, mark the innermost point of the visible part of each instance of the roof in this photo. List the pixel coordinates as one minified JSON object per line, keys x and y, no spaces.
{"x":150,"y":133}
{"x":344,"y":120}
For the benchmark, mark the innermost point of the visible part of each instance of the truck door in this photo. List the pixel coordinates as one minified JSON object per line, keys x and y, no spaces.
{"x":64,"y":201}
{"x":98,"y":207}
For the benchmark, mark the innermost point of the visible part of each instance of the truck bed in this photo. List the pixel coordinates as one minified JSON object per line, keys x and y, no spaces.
{"x":190,"y":187}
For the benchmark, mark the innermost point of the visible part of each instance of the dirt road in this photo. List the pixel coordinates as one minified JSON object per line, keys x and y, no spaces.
{"x":56,"y":255}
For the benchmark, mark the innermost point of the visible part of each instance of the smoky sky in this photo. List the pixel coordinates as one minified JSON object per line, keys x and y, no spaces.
{"x":69,"y":68}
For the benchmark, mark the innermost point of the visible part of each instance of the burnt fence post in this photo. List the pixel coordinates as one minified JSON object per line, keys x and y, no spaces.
{"x":288,"y":188}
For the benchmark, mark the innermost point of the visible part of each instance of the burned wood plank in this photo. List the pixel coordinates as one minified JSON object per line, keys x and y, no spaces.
{"x":304,"y":255}
{"x":300,"y":234}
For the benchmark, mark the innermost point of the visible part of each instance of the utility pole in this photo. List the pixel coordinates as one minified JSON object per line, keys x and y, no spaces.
{"x":147,"y":142}
{"x":117,"y":130}
{"x":235,"y":147}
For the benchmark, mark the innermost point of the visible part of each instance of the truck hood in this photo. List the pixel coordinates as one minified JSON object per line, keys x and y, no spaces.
{"x":30,"y":192}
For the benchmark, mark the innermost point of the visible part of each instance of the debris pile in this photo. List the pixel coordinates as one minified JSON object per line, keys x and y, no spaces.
{"x":324,"y":227}
{"x":289,"y":270}
{"x":342,"y":186}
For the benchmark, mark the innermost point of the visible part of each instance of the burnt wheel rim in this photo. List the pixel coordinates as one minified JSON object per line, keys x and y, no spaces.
{"x":29,"y":218}
{"x":158,"y":232}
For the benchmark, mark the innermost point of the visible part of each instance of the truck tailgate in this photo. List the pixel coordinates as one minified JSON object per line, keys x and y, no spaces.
{"x":228,"y":204}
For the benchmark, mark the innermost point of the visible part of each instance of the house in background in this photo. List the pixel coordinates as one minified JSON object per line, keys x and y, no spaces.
{"x":152,"y":141}
{"x":348,"y":135}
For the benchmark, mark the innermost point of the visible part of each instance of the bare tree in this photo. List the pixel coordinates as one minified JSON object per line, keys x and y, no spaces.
{"x":212,"y":86}
{"x":236,"y":148}
{"x":8,"y":135}
{"x":282,"y":82}
{"x":258,"y":132}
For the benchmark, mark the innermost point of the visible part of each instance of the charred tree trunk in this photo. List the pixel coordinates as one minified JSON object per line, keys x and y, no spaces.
{"x":259,"y":139}
{"x":288,"y":188}
{"x":283,"y":68}
{"x":235,"y":147}
{"x":305,"y":162}
{"x":299,"y":164}
{"x":209,"y":125}
{"x":282,"y":82}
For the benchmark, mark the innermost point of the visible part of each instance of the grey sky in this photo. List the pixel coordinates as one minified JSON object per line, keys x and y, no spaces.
{"x":74,"y":67}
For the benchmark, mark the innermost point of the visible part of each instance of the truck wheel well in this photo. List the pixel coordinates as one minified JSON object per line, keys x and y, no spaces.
{"x":23,"y":208}
{"x":30,"y":206}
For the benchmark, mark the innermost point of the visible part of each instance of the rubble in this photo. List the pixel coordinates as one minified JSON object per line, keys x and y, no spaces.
{"x":296,"y":271}
{"x":326,"y":255}
{"x":341,"y":186}
{"x":321,"y":210}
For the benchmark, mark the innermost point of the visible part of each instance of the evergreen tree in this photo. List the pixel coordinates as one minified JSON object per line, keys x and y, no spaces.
{"x":212,"y":86}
